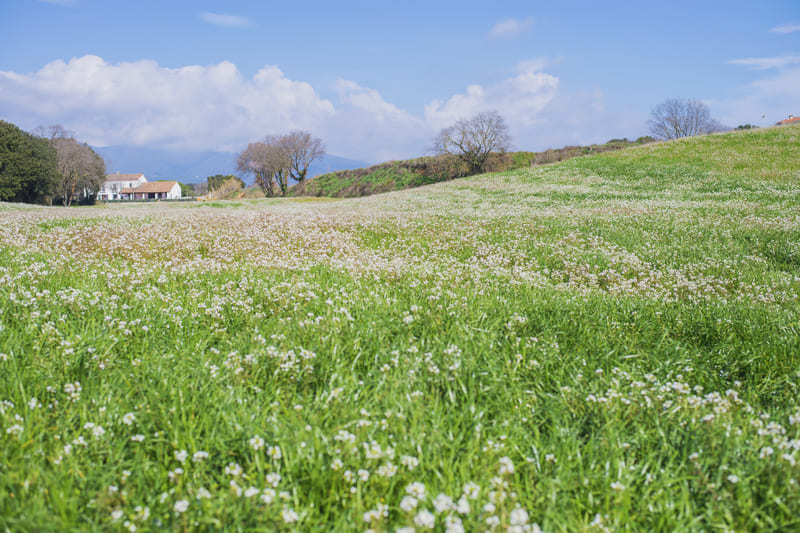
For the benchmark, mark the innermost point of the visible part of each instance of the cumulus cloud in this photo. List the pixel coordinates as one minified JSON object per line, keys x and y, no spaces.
{"x":519,"y":99}
{"x":510,"y":27}
{"x":215,"y":107}
{"x":142,"y":103}
{"x":763,"y":63}
{"x":365,"y":120}
{"x":219,"y":19}
{"x":786,"y":28}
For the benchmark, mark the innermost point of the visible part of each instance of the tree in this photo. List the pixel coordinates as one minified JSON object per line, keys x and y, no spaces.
{"x":268,"y":162}
{"x":218,"y":180}
{"x":81,"y":171}
{"x":27,"y":166}
{"x":303,"y":149}
{"x":676,"y":118}
{"x":474,"y":139}
{"x":279,"y":158}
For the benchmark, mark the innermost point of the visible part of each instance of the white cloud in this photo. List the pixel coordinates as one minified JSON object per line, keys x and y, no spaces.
{"x":219,"y":19}
{"x":786,"y":28}
{"x":510,"y":27}
{"x":366,"y":122}
{"x":519,"y":99}
{"x":215,"y":107}
{"x":763,"y":63}
{"x":142,"y":103}
{"x":765,"y":100}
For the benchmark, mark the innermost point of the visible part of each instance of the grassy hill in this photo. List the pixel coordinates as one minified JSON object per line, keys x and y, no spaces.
{"x":610,"y":342}
{"x":400,"y":175}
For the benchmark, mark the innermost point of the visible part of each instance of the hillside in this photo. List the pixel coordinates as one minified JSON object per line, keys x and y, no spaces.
{"x":712,"y":161}
{"x":605,"y":343}
{"x":400,"y":175}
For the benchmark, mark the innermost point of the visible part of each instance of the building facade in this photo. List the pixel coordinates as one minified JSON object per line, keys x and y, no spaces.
{"x":152,"y":190}
{"x":115,"y":183}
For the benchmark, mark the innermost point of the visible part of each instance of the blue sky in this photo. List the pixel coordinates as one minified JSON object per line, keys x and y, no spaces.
{"x":376,"y":80}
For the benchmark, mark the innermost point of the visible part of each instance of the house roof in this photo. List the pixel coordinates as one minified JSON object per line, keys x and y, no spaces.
{"x":790,"y":120}
{"x":124,"y":177}
{"x":150,"y":186}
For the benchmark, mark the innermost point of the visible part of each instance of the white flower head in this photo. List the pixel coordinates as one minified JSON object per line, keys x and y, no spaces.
{"x":425,"y":519}
{"x":181,"y":506}
{"x":289,"y":516}
{"x":416,"y":490}
{"x":199,"y":455}
{"x":443,"y":503}
{"x":408,"y":503}
{"x":256,"y":442}
{"x":518,"y":517}
{"x":506,"y":466}
{"x":274,"y":452}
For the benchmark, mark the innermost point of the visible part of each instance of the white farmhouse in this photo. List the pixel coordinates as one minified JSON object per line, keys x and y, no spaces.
{"x":153,"y":190}
{"x":116,"y":182}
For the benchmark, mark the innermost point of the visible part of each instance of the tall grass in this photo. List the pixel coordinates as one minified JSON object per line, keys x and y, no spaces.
{"x":606,"y":344}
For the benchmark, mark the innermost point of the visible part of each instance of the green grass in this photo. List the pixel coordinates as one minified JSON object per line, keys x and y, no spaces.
{"x":608,"y":342}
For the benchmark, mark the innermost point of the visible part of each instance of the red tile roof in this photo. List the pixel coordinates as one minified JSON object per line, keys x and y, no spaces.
{"x":790,"y":120}
{"x":150,"y":186}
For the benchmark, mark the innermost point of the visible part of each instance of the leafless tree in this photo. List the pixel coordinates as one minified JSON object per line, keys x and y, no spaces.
{"x":474,"y":139}
{"x":303,"y":149}
{"x":677,"y":117}
{"x":269,"y":164}
{"x":278,"y":158}
{"x":81,"y":171}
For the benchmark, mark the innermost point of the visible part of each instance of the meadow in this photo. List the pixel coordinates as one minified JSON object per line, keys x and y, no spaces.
{"x":611,"y":343}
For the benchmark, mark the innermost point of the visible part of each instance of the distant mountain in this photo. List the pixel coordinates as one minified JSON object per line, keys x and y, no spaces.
{"x":194,"y":167}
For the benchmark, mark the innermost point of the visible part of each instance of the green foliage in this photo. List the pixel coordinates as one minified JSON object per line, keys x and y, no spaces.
{"x":218,"y":180}
{"x":27,"y":166}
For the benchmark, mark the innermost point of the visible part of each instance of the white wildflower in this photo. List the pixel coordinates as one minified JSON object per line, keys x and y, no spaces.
{"x":181,"y":506}
{"x":425,"y":519}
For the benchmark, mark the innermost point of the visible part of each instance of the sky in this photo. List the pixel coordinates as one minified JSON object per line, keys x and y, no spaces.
{"x":376,"y":80}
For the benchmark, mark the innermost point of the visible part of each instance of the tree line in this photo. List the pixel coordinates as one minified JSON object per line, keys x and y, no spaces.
{"x":46,"y":166}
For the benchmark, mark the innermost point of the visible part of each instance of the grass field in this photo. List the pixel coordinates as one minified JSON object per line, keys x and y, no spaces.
{"x":610,"y":343}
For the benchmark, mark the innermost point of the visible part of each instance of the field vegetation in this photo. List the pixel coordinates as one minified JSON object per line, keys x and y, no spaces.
{"x":607,"y":343}
{"x":410,"y":173}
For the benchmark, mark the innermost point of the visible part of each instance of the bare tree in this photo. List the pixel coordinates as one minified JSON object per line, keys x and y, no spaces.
{"x":303,"y":149}
{"x":677,"y":117}
{"x":474,"y":139}
{"x":81,"y":171}
{"x":268,"y":162}
{"x":278,"y":158}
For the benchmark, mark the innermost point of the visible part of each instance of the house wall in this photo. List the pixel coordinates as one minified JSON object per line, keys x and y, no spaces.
{"x":110,"y":189}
